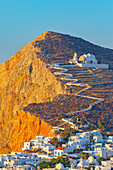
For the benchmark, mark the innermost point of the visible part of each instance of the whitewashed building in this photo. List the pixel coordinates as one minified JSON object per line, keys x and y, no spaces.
{"x":27,"y":146}
{"x":60,"y":151}
{"x":110,"y":139}
{"x":89,"y":60}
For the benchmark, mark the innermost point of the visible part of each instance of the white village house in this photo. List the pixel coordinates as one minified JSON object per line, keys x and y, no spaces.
{"x":60,"y":151}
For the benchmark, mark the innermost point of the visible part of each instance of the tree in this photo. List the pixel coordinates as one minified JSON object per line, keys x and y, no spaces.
{"x":91,"y":138}
{"x":90,"y":123}
{"x":61,"y":159}
{"x":88,"y":168}
{"x":91,"y":127}
{"x":74,"y":120}
{"x":43,"y":165}
{"x":54,"y":141}
{"x":56,"y":132}
{"x":77,"y":124}
{"x":87,"y":146}
{"x":64,"y":135}
{"x":108,"y":158}
{"x":84,"y":155}
{"x":83,"y":121}
{"x":99,"y":124}
{"x":53,"y":162}
{"x":91,"y":135}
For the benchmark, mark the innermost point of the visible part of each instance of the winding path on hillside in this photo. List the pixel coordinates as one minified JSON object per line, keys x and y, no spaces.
{"x":73,"y":82}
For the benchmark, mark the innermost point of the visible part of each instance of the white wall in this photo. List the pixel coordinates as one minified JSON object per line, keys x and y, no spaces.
{"x":26,"y":146}
{"x":104,"y":66}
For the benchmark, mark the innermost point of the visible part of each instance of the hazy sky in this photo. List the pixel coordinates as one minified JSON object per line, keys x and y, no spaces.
{"x":23,"y":20}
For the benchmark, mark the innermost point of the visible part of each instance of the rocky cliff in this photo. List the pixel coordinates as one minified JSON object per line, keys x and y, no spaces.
{"x":24,"y":80}
{"x":23,"y":127}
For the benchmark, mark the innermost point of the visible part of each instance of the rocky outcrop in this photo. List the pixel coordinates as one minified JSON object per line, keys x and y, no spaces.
{"x":25,"y":79}
{"x":28,"y":82}
{"x":24,"y":127}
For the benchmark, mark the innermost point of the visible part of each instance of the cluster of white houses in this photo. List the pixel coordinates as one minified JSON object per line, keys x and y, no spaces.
{"x":77,"y":141}
{"x":100,"y":147}
{"x":92,"y":142}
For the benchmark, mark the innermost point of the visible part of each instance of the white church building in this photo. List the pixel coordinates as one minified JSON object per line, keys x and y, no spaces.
{"x":87,"y":60}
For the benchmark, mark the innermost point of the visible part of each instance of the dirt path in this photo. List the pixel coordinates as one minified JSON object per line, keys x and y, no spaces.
{"x":73,"y":82}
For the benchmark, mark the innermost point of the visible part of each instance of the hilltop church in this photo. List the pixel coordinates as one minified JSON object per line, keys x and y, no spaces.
{"x":87,"y":60}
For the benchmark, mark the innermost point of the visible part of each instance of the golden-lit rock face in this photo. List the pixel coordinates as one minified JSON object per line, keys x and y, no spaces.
{"x":24,"y":128}
{"x":24,"y":80}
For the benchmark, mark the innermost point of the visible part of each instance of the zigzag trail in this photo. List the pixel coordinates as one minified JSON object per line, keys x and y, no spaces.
{"x":73,"y":82}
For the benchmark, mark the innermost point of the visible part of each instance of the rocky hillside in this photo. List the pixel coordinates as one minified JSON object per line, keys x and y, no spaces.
{"x":20,"y":128}
{"x":60,"y":47}
{"x":25,"y":79}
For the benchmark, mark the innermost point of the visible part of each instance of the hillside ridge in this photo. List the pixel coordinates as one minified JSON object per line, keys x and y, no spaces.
{"x":54,"y":47}
{"x":25,"y":79}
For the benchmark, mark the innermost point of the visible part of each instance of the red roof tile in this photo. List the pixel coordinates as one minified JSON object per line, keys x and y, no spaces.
{"x":61,"y":148}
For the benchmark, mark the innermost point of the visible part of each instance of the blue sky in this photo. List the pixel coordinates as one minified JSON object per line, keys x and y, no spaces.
{"x":21,"y":21}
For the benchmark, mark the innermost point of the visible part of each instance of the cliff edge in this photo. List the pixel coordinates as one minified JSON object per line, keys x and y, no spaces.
{"x":25,"y":79}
